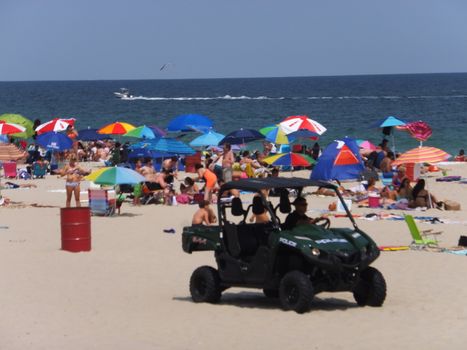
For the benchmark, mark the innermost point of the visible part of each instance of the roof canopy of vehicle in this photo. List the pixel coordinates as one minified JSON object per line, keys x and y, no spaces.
{"x":257,"y":184}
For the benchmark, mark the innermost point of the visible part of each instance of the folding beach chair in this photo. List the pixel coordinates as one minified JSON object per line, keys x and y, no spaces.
{"x":100,"y":203}
{"x":9,"y":170}
{"x":419,"y":238}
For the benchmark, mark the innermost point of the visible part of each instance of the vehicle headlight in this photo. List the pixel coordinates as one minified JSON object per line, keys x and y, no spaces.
{"x":315,"y":251}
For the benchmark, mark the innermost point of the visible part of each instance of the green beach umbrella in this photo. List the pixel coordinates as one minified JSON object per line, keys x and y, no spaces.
{"x":141,"y":132}
{"x":20,"y":120}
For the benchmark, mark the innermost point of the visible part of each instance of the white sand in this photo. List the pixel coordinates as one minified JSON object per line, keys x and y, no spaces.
{"x":131,"y":290}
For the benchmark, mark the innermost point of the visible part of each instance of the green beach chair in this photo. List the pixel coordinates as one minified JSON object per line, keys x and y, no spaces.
{"x":419,"y":238}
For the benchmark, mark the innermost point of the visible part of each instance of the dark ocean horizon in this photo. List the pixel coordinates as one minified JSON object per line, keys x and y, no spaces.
{"x":345,"y":105}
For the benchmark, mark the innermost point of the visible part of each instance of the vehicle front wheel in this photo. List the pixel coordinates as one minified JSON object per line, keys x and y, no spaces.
{"x":205,"y":285}
{"x":371,"y":289}
{"x":296,"y":292}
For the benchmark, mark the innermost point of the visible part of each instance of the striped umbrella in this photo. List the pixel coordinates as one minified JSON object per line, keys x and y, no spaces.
{"x":115,"y":176}
{"x":422,"y":155}
{"x":275,"y":134}
{"x":141,"y":132}
{"x":300,"y":122}
{"x":289,"y":159}
{"x":56,"y":124}
{"x":117,"y":128}
{"x":10,"y":128}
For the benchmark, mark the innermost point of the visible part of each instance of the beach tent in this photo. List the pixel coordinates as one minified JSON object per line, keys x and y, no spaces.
{"x":340,"y":160}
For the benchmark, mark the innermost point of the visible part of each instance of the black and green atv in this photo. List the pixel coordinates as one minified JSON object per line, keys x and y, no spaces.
{"x":293,"y":264}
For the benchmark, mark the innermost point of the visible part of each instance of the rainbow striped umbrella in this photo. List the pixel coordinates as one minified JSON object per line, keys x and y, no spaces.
{"x":115,"y":176}
{"x":289,"y":159}
{"x":275,"y":134}
{"x":117,"y":128}
{"x":422,"y":155}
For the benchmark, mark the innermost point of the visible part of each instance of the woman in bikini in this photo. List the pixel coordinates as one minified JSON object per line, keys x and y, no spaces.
{"x":423,"y":198}
{"x":74,"y":173}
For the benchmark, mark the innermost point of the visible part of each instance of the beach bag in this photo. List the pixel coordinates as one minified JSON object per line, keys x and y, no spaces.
{"x":183,"y":198}
{"x":23,"y":174}
{"x":451,"y":205}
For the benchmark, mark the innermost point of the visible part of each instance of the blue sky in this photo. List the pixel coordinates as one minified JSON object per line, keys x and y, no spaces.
{"x":132,"y":39}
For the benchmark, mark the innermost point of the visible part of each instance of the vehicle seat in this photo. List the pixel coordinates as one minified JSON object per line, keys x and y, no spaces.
{"x":231,"y":239}
{"x":284,"y":203}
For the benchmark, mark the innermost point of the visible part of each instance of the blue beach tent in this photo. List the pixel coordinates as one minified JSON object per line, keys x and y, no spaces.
{"x":340,"y":160}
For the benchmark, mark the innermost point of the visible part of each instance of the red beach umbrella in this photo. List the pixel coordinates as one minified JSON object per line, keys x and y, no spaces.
{"x":56,"y":124}
{"x":10,"y":128}
{"x":301,"y":122}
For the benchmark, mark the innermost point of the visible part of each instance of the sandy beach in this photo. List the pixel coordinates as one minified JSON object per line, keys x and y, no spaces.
{"x":131,"y":290}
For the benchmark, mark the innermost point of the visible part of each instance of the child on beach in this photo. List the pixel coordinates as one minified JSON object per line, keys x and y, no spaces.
{"x":204,"y":215}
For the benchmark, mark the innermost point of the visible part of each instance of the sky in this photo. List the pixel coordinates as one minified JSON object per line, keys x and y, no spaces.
{"x":132,"y":39}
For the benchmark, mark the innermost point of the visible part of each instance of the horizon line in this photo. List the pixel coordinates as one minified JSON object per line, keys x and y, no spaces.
{"x":259,"y":77}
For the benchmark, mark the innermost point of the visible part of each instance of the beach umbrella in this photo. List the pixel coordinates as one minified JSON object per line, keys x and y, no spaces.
{"x":239,"y":137}
{"x":365,"y":144}
{"x":10,"y":128}
{"x":54,"y":141}
{"x":157,"y":131}
{"x":289,"y":159}
{"x":301,"y":122}
{"x":419,"y":130}
{"x":275,"y":134}
{"x":210,"y":138}
{"x":90,"y":135}
{"x":190,"y":122}
{"x":141,"y":132}
{"x":115,"y":176}
{"x":422,"y":155}
{"x":117,"y":128}
{"x":20,"y":120}
{"x":147,"y":153}
{"x":9,"y":152}
{"x":165,"y":144}
{"x":56,"y":124}
{"x":388,"y":124}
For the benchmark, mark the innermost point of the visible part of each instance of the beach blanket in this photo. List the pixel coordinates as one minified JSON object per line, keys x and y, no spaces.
{"x":449,"y":178}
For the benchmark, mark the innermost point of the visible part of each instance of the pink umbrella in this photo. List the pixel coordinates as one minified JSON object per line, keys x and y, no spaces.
{"x":301,"y":122}
{"x":419,"y":130}
{"x":365,"y":144}
{"x":10,"y":128}
{"x":56,"y":124}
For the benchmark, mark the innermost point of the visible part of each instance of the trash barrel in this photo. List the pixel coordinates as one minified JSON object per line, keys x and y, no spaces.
{"x":76,"y":229}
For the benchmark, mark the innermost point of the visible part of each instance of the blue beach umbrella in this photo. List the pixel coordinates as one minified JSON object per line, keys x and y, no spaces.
{"x":190,"y":122}
{"x":211,"y":138}
{"x":239,"y":137}
{"x":54,"y":141}
{"x":148,"y":153}
{"x":90,"y":135}
{"x":165,"y":144}
{"x":388,"y":124}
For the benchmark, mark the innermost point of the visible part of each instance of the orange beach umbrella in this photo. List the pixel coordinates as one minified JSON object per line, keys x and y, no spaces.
{"x":422,"y":155}
{"x":117,"y":128}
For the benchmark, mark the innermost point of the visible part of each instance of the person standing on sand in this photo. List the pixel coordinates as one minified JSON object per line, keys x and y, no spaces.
{"x":228,"y":160}
{"x":74,"y":174}
{"x":209,"y":177}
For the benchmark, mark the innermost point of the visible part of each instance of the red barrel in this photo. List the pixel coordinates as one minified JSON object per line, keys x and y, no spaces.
{"x":76,"y":229}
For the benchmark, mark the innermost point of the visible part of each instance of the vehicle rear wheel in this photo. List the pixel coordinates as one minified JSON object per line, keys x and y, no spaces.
{"x":371,"y":289}
{"x":271,"y":293}
{"x":205,"y":285}
{"x":296,"y":292}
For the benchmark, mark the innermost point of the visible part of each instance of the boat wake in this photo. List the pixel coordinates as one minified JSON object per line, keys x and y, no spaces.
{"x":233,"y":98}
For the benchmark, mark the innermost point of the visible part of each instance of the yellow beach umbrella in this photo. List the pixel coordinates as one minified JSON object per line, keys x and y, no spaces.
{"x":117,"y":128}
{"x":422,"y":155}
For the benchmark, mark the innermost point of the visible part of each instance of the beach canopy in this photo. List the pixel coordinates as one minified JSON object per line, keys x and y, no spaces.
{"x":289,"y":159}
{"x":301,"y":122}
{"x":241,"y":136}
{"x":23,"y":121}
{"x":9,"y":152}
{"x":56,"y":124}
{"x":117,"y":128}
{"x":190,"y":122}
{"x":340,"y":160}
{"x":54,"y":141}
{"x":166,"y":145}
{"x":90,"y":135}
{"x":211,"y":138}
{"x":10,"y":128}
{"x":422,"y":155}
{"x":115,"y":176}
{"x":141,"y":132}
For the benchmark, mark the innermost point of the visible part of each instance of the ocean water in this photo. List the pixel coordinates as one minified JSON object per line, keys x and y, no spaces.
{"x":346,"y":105}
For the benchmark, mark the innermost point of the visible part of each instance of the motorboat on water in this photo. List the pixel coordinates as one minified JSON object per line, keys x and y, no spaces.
{"x":123,"y":94}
